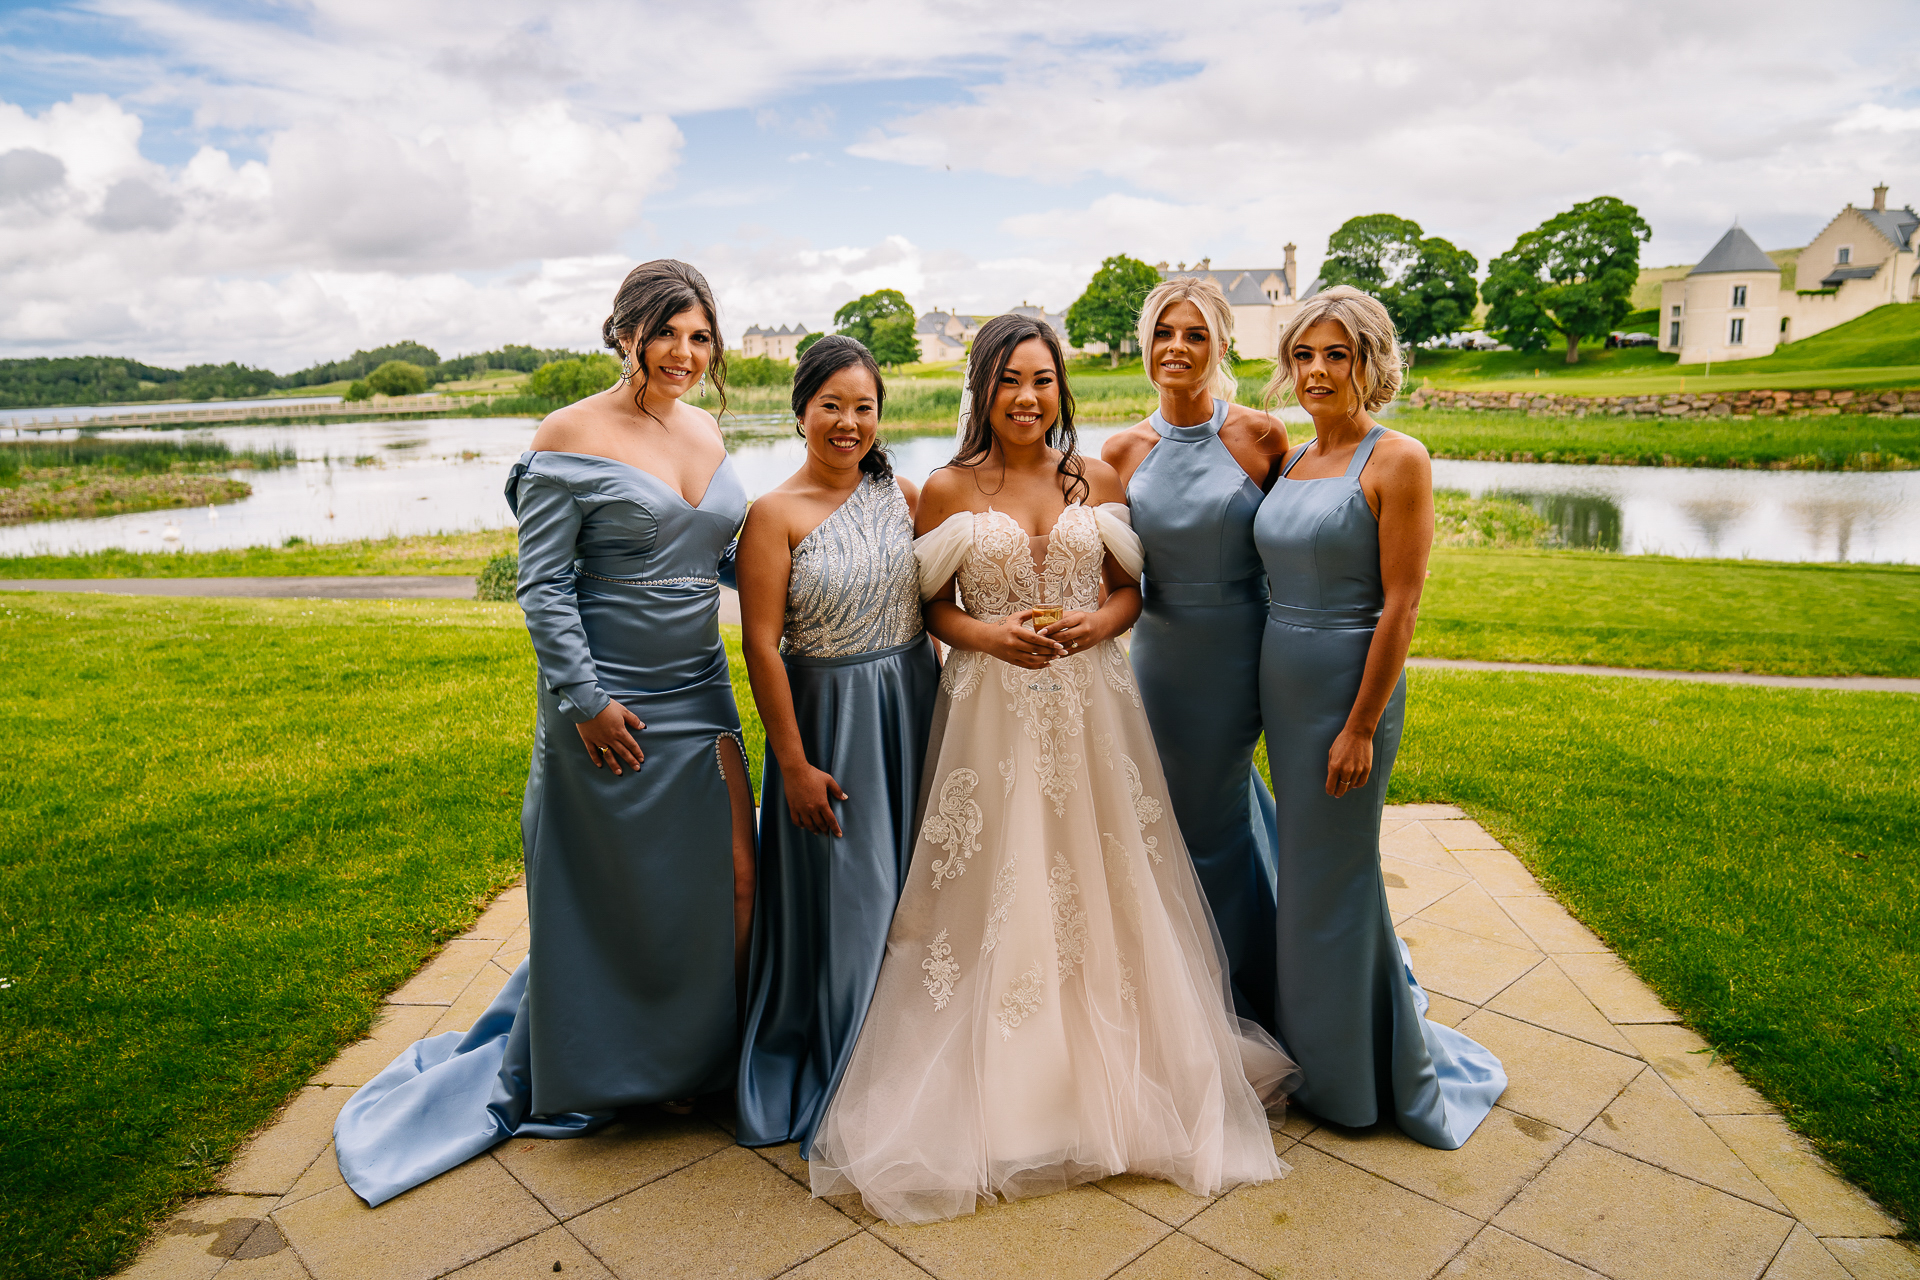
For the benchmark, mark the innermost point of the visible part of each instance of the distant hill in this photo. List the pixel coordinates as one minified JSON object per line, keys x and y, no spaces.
{"x":52,"y":381}
{"x":1646,"y":292}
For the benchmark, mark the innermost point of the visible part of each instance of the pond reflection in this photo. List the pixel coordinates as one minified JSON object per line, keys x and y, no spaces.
{"x":1583,"y":520}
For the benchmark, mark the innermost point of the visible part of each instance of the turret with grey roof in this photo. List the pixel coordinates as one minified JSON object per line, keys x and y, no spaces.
{"x":1735,"y":252}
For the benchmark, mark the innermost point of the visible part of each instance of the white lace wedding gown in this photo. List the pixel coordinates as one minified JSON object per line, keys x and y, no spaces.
{"x":1053,"y":1007}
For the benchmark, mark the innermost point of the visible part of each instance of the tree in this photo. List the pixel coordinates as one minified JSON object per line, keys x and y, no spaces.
{"x":398,"y":378}
{"x":893,"y":341}
{"x":1109,"y":311}
{"x":575,"y":379}
{"x":1425,"y":282}
{"x":1572,"y":275}
{"x":1371,"y":252}
{"x":806,"y":342}
{"x":858,"y":317}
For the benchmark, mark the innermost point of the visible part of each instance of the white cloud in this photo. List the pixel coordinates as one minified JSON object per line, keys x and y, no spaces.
{"x":468,"y":173}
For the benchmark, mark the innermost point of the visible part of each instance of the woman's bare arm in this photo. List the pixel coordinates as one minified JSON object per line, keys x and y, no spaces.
{"x":1404,"y":486}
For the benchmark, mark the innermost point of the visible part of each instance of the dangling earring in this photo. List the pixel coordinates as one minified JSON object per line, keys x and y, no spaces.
{"x":703,"y":384}
{"x":626,"y":367}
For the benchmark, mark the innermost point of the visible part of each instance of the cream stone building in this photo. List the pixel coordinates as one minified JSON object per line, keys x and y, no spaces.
{"x":777,"y":344}
{"x":1731,"y":306}
{"x":944,"y":335}
{"x":1263,"y":299}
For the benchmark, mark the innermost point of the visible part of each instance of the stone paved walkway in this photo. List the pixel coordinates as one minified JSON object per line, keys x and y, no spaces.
{"x":1621,"y":1149}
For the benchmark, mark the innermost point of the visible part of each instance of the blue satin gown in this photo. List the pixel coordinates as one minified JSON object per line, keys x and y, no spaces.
{"x":627,"y":994}
{"x":1349,"y":1009}
{"x":864,"y":678}
{"x":1196,"y":653}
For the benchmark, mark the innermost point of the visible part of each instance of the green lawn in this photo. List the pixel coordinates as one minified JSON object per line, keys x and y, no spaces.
{"x":1878,"y":350}
{"x":1754,"y":854}
{"x":1837,"y":442}
{"x":230,"y":827}
{"x":1516,"y":605}
{"x":449,"y":553}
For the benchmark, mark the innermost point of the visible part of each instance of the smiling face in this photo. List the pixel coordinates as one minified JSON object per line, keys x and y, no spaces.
{"x":1182,"y":356}
{"x":1325,"y":369}
{"x":842,"y":419}
{"x":1027,"y":402}
{"x":677,"y":355}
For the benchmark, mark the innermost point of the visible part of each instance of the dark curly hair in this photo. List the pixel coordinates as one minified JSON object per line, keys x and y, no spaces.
{"x":652,"y":294}
{"x":993,"y":349}
{"x":822,"y":360}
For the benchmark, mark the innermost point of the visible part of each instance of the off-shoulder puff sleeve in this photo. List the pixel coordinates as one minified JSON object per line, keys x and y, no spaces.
{"x":549,"y":528}
{"x":1123,"y":544}
{"x":940,"y":551}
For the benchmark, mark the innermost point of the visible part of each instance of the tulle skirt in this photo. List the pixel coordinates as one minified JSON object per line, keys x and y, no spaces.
{"x":1053,"y":1007}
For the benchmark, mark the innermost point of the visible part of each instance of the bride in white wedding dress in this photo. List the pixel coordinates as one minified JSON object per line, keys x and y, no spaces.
{"x":1053,"y":1007}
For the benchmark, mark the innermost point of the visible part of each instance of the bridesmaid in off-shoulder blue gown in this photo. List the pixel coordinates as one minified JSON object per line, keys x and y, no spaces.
{"x":1196,"y":648}
{"x":628,"y":992}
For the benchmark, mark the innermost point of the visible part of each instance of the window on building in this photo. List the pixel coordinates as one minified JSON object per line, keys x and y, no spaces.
{"x":1843,"y":255}
{"x":1673,"y":333}
{"x":1739,"y":295}
{"x":1737,"y":330}
{"x":1676,"y":308}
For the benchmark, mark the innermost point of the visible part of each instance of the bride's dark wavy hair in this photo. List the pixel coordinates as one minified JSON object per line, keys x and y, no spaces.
{"x":822,"y":360}
{"x":652,"y":294}
{"x":993,"y":350}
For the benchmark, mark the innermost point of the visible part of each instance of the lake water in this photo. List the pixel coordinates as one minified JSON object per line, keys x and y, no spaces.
{"x":80,"y":413}
{"x":382,"y":479}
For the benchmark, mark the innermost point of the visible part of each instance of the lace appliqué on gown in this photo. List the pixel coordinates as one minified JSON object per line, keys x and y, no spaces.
{"x":942,"y":970}
{"x":1005,"y":883}
{"x":1069,"y":918}
{"x":956,"y":826}
{"x":1021,"y":1001}
{"x":1146,"y":809}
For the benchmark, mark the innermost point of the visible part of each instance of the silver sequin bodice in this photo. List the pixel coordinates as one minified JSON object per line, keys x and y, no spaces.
{"x":854,"y":586}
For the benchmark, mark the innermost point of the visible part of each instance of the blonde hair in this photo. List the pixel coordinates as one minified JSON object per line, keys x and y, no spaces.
{"x":1377,"y":365}
{"x":1203,"y":293}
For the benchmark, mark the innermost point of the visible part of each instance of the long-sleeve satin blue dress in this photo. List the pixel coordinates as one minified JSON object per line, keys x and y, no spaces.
{"x":1196,"y":653}
{"x":1349,"y":1008}
{"x":627,"y":994}
{"x":864,"y":679}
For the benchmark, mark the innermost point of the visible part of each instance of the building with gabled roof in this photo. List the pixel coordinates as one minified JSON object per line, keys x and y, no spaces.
{"x":1732,"y":305}
{"x":776,"y":344}
{"x":1263,"y":299}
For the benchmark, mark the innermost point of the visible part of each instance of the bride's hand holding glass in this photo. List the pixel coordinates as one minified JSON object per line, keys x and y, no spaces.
{"x":1014,"y":641}
{"x":1075,"y":630}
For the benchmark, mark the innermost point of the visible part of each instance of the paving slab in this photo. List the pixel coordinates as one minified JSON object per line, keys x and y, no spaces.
{"x":1622,"y":1148}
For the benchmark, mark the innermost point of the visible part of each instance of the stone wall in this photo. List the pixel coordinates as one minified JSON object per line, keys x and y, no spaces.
{"x":1702,"y":404}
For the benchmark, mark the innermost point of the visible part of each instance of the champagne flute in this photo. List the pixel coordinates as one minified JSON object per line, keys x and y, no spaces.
{"x":1046,"y":611}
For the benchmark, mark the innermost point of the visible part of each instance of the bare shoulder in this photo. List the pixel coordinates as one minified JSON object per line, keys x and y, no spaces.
{"x":1402,"y":458}
{"x":695,"y":415}
{"x":1257,"y":426}
{"x":1103,"y":479}
{"x":1124,"y":449}
{"x":908,"y":490}
{"x":948,"y":490}
{"x":568,"y":430}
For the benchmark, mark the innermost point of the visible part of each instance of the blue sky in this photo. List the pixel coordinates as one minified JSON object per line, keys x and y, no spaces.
{"x":282,"y":182}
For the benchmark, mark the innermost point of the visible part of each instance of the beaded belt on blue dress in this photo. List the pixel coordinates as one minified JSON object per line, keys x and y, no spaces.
{"x":689,"y":580}
{"x":1362,"y":618}
{"x":1188,"y":595}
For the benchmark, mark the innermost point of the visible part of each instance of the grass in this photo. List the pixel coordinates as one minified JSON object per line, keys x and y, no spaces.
{"x":228,"y":830}
{"x":1593,"y":608}
{"x":448,"y":553}
{"x":199,"y":917}
{"x":1753,"y":854}
{"x":1854,"y":442}
{"x":65,"y":479}
{"x":1878,"y":350}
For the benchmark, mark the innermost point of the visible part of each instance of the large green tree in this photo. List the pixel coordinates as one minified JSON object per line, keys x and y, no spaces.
{"x":1109,"y":311}
{"x":858,"y":317}
{"x":398,"y":378}
{"x":1572,"y":275}
{"x":573,"y":379}
{"x":1425,"y":282}
{"x":893,"y":341}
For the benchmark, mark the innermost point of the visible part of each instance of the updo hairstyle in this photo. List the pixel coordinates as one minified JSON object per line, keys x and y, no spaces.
{"x":1376,"y":347}
{"x":993,"y":350}
{"x":826,"y":357}
{"x":1204,"y":293}
{"x":652,"y":294}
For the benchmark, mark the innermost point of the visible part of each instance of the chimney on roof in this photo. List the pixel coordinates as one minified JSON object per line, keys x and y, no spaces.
{"x":1160,"y":265}
{"x":1290,"y":280}
{"x":1206,"y":264}
{"x":1880,"y":198}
